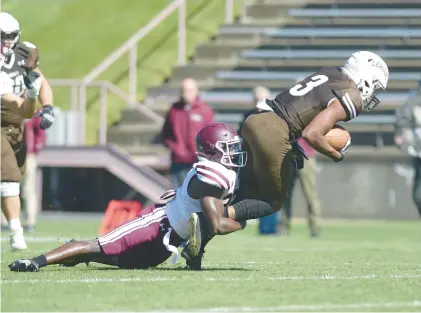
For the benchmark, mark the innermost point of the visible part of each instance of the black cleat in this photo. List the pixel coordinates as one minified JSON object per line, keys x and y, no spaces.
{"x":193,"y":258}
{"x":195,"y":263}
{"x":24,"y":266}
{"x":314,"y":234}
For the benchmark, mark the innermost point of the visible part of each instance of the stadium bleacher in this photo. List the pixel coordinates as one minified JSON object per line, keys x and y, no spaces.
{"x":281,"y":42}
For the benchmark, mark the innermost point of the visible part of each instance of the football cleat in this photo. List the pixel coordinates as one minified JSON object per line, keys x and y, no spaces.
{"x":192,"y":263}
{"x":195,"y":240}
{"x":193,"y":259}
{"x":24,"y":266}
{"x":17,"y":241}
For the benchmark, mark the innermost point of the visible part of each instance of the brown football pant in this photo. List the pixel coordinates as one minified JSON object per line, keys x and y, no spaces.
{"x":269,"y":166}
{"x":13,"y":154}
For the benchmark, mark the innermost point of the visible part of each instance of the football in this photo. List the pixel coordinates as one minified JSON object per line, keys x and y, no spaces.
{"x":338,"y":137}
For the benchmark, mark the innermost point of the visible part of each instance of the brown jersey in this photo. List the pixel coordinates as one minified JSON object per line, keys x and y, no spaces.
{"x":300,"y":104}
{"x":13,"y":68}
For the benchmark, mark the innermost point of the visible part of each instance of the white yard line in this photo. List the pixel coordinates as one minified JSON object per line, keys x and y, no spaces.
{"x":208,"y":279}
{"x":42,"y":239}
{"x":308,"y":307}
{"x":88,"y":280}
{"x":61,"y":240}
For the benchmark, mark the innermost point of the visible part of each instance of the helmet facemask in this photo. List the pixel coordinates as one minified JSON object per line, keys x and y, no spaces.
{"x":232,"y":154}
{"x":9,"y":41}
{"x":369,"y":93}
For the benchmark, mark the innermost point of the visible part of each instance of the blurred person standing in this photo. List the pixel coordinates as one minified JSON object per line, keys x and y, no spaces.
{"x":307,"y":177}
{"x":184,"y":120}
{"x":408,"y":139}
{"x":35,"y":138}
{"x":259,"y":92}
{"x":20,"y":63}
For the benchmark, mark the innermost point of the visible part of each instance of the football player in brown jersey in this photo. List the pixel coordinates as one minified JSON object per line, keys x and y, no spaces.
{"x":309,"y":110}
{"x":19,"y":61}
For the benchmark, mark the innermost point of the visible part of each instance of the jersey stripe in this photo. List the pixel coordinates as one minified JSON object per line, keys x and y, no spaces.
{"x":350,"y":105}
{"x":213,"y":175}
{"x":209,"y":179}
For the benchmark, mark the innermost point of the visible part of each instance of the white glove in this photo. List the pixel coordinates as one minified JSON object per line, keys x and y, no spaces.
{"x":348,"y":143}
{"x":32,"y":81}
{"x":412,"y":152}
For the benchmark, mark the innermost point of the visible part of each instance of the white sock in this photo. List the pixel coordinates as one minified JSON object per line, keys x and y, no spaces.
{"x":14,"y":224}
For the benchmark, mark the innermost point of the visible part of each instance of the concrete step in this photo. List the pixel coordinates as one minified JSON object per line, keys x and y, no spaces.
{"x":151,"y":149}
{"x":283,"y":84}
{"x":207,"y":76}
{"x":241,"y":98}
{"x":258,"y":38}
{"x":216,"y":51}
{"x":333,"y":21}
{"x":272,"y":61}
{"x":279,"y":10}
{"x":126,"y":134}
{"x":135,"y":116}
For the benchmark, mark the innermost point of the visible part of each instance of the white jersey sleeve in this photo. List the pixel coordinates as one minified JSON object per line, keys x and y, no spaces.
{"x":6,"y":84}
{"x":215,"y":174}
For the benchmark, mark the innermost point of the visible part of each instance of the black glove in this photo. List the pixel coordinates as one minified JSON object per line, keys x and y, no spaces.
{"x":47,"y":116}
{"x":342,"y":157}
{"x":298,"y":155}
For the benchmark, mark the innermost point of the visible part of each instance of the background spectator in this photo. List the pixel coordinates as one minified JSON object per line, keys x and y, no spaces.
{"x":183,"y":121}
{"x":35,"y":138}
{"x":261,"y":92}
{"x":307,"y":177}
{"x":408,"y":139}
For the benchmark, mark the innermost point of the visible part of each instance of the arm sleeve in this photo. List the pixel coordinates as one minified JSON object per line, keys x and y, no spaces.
{"x":351,"y":102}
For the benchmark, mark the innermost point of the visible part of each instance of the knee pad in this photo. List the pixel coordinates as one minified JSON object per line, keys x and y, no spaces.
{"x":9,"y":189}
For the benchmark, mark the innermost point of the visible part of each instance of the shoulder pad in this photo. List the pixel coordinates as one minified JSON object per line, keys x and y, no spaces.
{"x":29,"y":44}
{"x":214,"y":174}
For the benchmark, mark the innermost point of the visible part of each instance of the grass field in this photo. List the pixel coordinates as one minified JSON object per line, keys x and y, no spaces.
{"x":74,"y":36}
{"x":356,"y":266}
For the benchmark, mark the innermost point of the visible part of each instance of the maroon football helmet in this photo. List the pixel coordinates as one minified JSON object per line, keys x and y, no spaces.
{"x":220,"y":143}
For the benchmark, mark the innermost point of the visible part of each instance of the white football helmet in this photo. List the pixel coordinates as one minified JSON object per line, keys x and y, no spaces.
{"x":9,"y":32}
{"x":370,"y":73}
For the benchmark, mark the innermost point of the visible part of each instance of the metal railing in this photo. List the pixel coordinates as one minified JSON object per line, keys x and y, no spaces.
{"x":230,"y":10}
{"x":76,"y":87}
{"x":130,"y":46}
{"x":78,"y":98}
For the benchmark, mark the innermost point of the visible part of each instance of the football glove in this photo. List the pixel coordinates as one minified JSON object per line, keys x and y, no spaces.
{"x":344,"y":150}
{"x":47,"y":115}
